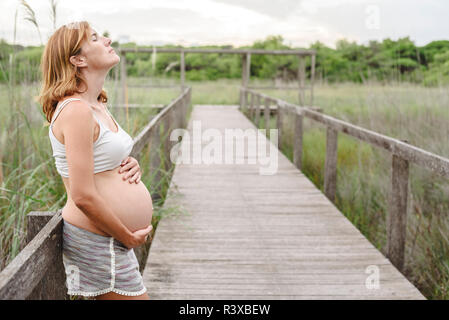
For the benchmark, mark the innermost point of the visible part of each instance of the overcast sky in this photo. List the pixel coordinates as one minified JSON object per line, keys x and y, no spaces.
{"x":237,"y":22}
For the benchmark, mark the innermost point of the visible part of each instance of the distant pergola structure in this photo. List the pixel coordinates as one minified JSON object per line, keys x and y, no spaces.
{"x":246,"y":63}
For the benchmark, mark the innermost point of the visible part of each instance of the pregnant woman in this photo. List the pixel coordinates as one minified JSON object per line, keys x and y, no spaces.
{"x":106,"y":215}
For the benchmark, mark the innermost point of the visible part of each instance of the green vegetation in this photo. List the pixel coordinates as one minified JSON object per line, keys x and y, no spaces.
{"x":386,"y":61}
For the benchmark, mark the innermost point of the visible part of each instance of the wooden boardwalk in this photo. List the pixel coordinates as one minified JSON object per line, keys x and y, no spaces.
{"x":243,"y":235}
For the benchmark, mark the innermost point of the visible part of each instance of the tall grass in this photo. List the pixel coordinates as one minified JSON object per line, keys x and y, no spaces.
{"x":30,"y":16}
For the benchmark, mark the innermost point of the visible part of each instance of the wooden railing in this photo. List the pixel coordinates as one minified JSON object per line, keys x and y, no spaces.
{"x":37,"y":272}
{"x":245,"y":54}
{"x":402,"y":154}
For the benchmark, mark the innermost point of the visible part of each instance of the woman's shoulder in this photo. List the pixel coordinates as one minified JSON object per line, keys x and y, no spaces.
{"x":62,"y":100}
{"x":72,"y":97}
{"x":75,"y":111}
{"x":77,"y":105}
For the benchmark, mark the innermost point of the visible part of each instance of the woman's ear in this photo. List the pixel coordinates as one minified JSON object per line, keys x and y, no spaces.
{"x":78,"y":61}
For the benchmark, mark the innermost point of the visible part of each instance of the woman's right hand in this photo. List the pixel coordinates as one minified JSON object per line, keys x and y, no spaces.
{"x":139,"y":237}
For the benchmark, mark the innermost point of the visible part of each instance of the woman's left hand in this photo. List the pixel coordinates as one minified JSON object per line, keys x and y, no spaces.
{"x":132,"y":170}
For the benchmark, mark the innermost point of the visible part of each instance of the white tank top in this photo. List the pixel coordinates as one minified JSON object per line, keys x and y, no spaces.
{"x":109,"y":150}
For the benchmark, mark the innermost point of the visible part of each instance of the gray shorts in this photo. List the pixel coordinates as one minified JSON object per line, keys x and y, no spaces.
{"x":96,"y":264}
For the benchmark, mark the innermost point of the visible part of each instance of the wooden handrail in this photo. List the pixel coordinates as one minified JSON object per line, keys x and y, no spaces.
{"x":25,"y":271}
{"x":402,"y":154}
{"x":297,"y":52}
{"x":421,"y":157}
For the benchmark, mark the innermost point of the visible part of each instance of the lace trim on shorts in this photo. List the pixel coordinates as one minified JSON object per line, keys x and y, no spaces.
{"x":111,"y":288}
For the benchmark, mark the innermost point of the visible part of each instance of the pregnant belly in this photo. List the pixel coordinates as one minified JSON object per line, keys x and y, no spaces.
{"x":131,"y":202}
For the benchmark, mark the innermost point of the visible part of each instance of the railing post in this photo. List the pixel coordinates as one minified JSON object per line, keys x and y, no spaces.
{"x":267,"y":115}
{"x":251,"y":107}
{"x":167,"y":143}
{"x":178,"y":114}
{"x":279,"y":112}
{"x":247,"y":103}
{"x":330,"y":167}
{"x":397,"y":215}
{"x":155,"y":162}
{"x":182,"y":71}
{"x":312,"y":77}
{"x":246,"y":64}
{"x":185,"y":108}
{"x":301,"y":80}
{"x":52,"y":286}
{"x":297,"y":140}
{"x":257,"y":111}
{"x":36,"y":220}
{"x":241,"y":99}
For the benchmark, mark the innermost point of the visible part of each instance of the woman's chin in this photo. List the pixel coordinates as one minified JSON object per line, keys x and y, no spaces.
{"x":114,"y":63}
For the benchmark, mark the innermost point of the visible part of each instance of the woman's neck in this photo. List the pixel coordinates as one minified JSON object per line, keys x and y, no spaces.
{"x":95,"y":82}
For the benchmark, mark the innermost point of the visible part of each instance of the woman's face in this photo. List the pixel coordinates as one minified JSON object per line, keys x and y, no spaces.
{"x":98,"y":53}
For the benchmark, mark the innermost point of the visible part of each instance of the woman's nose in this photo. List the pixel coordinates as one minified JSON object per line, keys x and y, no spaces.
{"x":108,"y":41}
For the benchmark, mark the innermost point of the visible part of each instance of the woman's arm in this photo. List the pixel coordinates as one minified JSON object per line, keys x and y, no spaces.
{"x":78,"y":133}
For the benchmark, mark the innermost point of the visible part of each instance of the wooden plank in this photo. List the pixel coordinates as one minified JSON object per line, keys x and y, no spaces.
{"x":170,"y":296}
{"x":52,"y":285}
{"x":334,"y":291}
{"x":251,"y":235}
{"x":397,"y":215}
{"x":24,"y":272}
{"x":279,"y":126}
{"x":298,"y":140}
{"x":301,"y":80}
{"x":305,"y":52}
{"x":257,"y":111}
{"x":251,"y":106}
{"x":312,"y":76}
{"x":182,"y":70}
{"x":241,"y":97}
{"x":245,"y":63}
{"x":278,"y":87}
{"x":330,"y":166}
{"x":267,"y":115}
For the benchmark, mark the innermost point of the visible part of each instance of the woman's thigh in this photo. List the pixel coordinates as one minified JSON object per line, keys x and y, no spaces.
{"x":115,"y":296}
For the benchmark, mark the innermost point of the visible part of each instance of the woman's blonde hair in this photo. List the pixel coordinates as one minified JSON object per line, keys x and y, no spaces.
{"x":60,"y":78}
